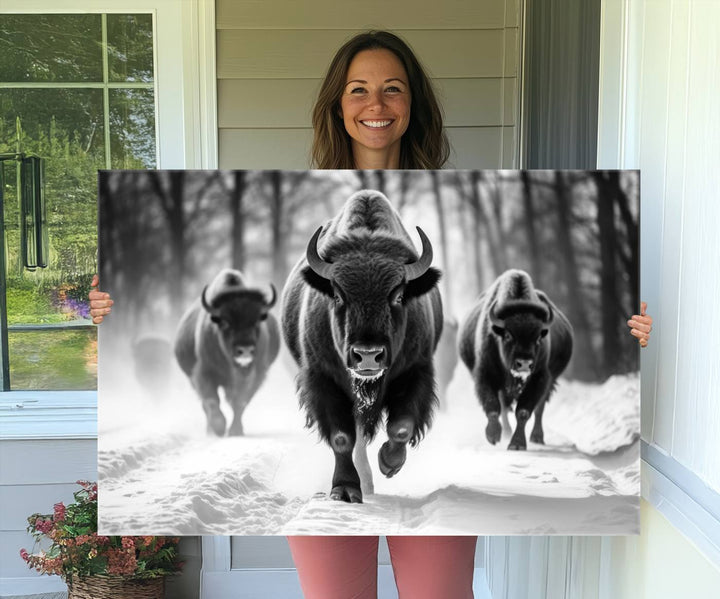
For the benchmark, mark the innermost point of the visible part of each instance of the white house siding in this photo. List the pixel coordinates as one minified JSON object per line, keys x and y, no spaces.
{"x":34,"y":475}
{"x":271,"y":58}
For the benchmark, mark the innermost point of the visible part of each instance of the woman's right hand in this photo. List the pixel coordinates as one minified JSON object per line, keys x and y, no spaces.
{"x":100,"y":302}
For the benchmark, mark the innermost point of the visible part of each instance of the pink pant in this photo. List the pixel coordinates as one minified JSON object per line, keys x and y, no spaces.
{"x":346,"y":567}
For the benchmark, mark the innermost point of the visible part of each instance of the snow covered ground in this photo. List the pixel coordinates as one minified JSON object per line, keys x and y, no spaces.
{"x":161,"y":474}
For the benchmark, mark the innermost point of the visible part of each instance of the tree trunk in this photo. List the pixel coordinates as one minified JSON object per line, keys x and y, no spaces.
{"x":278,"y":238}
{"x":238,"y":220}
{"x":611,"y":348}
{"x":447,"y":287}
{"x":631,"y":226}
{"x":491,"y":236}
{"x":380,"y":176}
{"x":530,"y":219}
{"x":577,"y":313}
{"x":476,"y":211}
{"x":176,"y":218}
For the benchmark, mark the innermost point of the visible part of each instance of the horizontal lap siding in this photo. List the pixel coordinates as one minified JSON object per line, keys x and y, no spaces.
{"x":471,"y":147}
{"x":35,"y":475}
{"x":395,"y":15}
{"x":271,"y":59}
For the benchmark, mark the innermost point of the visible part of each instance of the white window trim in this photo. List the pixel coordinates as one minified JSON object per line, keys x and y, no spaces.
{"x":674,"y":490}
{"x":186,"y":129}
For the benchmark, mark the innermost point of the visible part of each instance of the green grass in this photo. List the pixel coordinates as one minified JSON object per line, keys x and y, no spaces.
{"x":53,"y":360}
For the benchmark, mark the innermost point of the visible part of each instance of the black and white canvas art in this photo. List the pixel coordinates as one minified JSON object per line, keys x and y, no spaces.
{"x":369,"y":352}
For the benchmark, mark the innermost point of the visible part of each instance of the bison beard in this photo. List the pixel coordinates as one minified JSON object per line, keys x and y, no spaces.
{"x":366,"y":391}
{"x":363,"y":285}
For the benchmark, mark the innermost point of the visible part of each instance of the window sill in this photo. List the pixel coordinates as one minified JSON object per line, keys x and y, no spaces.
{"x":48,"y":415}
{"x":683,"y":498}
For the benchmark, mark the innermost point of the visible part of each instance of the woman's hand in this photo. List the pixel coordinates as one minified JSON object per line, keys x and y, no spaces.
{"x":641,"y":325}
{"x":100,"y":302}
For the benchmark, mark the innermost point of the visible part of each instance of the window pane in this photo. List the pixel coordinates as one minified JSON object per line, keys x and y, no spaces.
{"x":50,"y":48}
{"x":54,"y":121}
{"x":132,"y":128}
{"x":65,"y":127}
{"x":130,"y":47}
{"x":57,"y":360}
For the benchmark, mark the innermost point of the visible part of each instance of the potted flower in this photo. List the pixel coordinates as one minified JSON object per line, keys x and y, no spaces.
{"x":93,"y":565}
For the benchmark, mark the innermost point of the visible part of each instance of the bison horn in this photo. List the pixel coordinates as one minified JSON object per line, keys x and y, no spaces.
{"x":319,"y":266}
{"x":203,"y":299}
{"x":271,"y":302}
{"x":417,"y":269}
{"x":497,"y":322}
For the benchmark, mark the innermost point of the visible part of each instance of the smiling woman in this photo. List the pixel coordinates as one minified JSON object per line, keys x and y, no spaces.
{"x":363,"y":117}
{"x":375,"y":106}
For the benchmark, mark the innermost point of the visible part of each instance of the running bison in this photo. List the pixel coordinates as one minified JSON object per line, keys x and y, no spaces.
{"x":228,"y":339}
{"x":361,"y":317}
{"x":516,"y":343}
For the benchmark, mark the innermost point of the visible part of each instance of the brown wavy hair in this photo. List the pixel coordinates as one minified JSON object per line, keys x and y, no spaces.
{"x":423,"y":146}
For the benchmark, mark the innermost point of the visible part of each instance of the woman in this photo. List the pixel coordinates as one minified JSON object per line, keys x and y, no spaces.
{"x":377,"y":110}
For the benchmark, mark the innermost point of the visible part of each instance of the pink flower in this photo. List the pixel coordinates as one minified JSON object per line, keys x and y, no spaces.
{"x":44,"y":526}
{"x":121,"y":562}
{"x":24,"y":554}
{"x":59,"y":512}
{"x":128,"y":543}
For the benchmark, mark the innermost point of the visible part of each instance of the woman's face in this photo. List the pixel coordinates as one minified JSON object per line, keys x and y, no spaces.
{"x":375,"y":103}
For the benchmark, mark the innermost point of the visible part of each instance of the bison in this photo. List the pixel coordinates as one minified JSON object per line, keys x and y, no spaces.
{"x":228,"y":338}
{"x":516,"y":343}
{"x":362,"y":316}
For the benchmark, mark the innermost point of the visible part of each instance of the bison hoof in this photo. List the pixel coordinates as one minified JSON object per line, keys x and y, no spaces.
{"x":346,"y":493}
{"x":493,"y":430}
{"x":517,"y":446}
{"x":216,"y":424}
{"x":389,"y":460}
{"x":537,"y":437}
{"x":236,"y":430}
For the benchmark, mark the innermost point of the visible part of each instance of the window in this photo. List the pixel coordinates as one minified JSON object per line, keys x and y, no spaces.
{"x":78,"y":91}
{"x":183,"y":35}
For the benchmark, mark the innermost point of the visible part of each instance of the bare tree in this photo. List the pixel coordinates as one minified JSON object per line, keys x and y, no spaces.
{"x":235,"y":196}
{"x":585,"y":362}
{"x":530,"y":220}
{"x":437,"y":193}
{"x":607,"y":184}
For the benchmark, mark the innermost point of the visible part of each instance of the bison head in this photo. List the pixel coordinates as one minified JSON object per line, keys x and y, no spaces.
{"x":238,"y":313}
{"x":521,"y":327}
{"x":370,"y":282}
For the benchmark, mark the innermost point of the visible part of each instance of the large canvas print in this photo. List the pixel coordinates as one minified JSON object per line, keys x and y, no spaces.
{"x":369,"y":352}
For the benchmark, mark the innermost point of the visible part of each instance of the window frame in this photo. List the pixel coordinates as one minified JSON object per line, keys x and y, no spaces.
{"x":671,"y":487}
{"x":184,"y":37}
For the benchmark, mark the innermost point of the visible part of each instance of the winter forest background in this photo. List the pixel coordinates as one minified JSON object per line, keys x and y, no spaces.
{"x":165,"y":234}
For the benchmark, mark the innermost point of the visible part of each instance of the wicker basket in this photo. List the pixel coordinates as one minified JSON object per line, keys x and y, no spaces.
{"x":116,"y":587}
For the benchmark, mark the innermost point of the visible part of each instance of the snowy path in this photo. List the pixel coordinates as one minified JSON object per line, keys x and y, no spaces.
{"x":160,"y":474}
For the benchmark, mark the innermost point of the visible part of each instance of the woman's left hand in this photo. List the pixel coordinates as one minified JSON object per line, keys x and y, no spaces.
{"x":641,"y":325}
